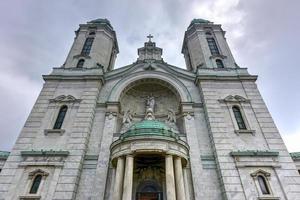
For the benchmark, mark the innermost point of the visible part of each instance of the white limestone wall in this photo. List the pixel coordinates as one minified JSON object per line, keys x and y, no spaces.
{"x":61,"y":183}
{"x":195,"y":45}
{"x":11,"y":173}
{"x":235,"y":181}
{"x":97,"y":130}
{"x":224,"y":49}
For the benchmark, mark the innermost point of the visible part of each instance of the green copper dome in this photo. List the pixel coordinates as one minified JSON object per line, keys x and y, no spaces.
{"x":149,"y":128}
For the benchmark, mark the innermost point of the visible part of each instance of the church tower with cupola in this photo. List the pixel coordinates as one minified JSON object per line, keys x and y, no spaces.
{"x":205,"y":46}
{"x":95,"y":45}
{"x":149,"y":130}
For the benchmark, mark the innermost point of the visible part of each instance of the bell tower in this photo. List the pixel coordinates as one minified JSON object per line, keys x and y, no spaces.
{"x":95,"y":45}
{"x":205,"y":46}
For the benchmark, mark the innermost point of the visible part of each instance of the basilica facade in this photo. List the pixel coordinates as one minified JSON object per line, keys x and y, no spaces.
{"x":149,"y":130}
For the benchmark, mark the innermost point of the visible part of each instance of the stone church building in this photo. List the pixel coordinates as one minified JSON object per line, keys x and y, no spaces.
{"x":149,"y":130}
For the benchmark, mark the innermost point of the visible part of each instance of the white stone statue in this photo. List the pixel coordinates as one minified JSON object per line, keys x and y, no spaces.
{"x":150,"y":103}
{"x":127,"y":118}
{"x":171,"y":117}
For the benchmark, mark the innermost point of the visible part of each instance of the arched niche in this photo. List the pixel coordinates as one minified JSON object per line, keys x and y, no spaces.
{"x":134,"y":96}
{"x":173,"y":83}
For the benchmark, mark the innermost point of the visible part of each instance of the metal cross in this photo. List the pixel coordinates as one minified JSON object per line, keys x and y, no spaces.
{"x":149,"y":36}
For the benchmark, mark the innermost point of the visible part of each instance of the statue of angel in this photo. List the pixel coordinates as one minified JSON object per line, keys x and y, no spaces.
{"x":171,"y":116}
{"x":127,"y":118}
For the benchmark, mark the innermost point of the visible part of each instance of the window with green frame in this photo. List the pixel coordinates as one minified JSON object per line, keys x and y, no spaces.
{"x":239,"y":118}
{"x":35,"y":184}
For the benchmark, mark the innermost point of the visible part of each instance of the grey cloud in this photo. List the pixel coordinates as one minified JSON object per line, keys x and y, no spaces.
{"x":37,"y":35}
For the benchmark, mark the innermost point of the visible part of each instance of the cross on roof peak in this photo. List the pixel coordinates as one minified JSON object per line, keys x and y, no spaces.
{"x":149,"y":36}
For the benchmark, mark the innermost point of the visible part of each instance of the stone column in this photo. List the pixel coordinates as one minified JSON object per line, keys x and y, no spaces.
{"x":179,"y":179}
{"x":128,"y":179}
{"x":117,"y":194}
{"x":170,"y":182}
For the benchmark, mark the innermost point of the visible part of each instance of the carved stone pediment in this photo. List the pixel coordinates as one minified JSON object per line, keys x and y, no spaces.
{"x":38,"y":171}
{"x":234,"y":99}
{"x":260,"y":172}
{"x":65,"y":99}
{"x":149,"y":67}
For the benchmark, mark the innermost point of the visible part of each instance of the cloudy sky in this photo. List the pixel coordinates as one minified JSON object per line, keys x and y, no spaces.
{"x":36,"y":35}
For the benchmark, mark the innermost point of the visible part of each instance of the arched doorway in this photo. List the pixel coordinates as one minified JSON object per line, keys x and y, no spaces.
{"x":149,"y":190}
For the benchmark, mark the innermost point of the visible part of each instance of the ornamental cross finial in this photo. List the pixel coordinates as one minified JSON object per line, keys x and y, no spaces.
{"x":149,"y":36}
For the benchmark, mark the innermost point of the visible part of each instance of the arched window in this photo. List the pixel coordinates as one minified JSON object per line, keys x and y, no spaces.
{"x":87,"y":46}
{"x":239,"y":118}
{"x":80,"y":63}
{"x":263,"y":184}
{"x":60,"y":117}
{"x":212,"y":46}
{"x":35,"y":184}
{"x":219,"y":63}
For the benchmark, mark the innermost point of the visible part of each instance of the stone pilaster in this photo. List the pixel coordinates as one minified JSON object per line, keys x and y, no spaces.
{"x":195,"y":160}
{"x":186,"y":184}
{"x":104,"y":154}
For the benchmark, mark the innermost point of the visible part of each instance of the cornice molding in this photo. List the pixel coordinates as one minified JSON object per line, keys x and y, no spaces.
{"x":44,"y":153}
{"x":74,"y":77}
{"x":255,"y":153}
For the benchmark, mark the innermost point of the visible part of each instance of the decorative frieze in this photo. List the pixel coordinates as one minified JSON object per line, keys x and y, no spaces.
{"x":65,"y":99}
{"x":234,"y":99}
{"x":43,"y":157}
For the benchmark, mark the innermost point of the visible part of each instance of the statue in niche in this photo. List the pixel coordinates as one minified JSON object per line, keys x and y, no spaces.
{"x":171,"y":119}
{"x":127,"y":120}
{"x":150,"y":102}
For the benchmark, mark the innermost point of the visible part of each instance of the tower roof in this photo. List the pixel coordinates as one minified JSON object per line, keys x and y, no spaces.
{"x":201,"y":21}
{"x":101,"y":21}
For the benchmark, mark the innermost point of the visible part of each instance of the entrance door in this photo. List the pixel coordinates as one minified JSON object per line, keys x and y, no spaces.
{"x":148,"y":196}
{"x":149,"y":190}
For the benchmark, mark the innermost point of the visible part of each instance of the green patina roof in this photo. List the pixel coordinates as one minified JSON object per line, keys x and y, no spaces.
{"x":199,"y":21}
{"x":100,"y":21}
{"x":295,"y":155}
{"x":150,"y":128}
{"x":4,"y":154}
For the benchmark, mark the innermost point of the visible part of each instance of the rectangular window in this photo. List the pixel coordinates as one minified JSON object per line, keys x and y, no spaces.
{"x":87,"y":46}
{"x":212,"y":46}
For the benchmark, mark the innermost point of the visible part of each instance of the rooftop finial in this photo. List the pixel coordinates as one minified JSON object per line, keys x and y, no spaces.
{"x":150,"y":36}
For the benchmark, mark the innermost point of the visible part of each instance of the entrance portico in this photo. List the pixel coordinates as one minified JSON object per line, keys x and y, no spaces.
{"x":149,"y":164}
